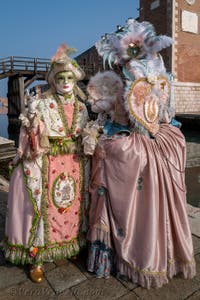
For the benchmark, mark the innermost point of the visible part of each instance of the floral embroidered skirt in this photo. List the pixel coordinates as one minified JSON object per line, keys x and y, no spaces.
{"x":47,"y":209}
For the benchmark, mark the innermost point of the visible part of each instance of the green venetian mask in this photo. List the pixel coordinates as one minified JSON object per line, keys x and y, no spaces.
{"x":65,"y":76}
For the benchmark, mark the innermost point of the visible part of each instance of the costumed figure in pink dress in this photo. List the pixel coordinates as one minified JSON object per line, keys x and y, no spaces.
{"x":48,"y":195}
{"x":138,"y":224}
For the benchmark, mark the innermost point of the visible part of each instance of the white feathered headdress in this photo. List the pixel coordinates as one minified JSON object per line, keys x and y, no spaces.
{"x":134,"y":40}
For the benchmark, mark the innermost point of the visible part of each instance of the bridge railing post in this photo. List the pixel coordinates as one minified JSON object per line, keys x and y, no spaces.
{"x":12,"y":63}
{"x":35,"y":65}
{"x":4,"y":66}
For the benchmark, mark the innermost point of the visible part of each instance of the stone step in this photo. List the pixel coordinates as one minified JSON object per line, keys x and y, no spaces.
{"x":7,"y":149}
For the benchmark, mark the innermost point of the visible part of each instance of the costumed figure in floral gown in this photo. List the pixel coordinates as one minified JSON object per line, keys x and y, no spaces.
{"x":48,"y":195}
{"x":138,"y":224}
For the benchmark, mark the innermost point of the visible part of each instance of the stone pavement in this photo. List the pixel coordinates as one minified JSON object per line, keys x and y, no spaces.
{"x":69,"y":280}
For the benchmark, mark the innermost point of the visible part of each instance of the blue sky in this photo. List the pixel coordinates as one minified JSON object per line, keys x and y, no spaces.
{"x":36,"y":28}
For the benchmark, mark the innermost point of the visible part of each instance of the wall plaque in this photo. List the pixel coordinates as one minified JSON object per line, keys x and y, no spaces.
{"x":189,"y":21}
{"x":190,"y":2}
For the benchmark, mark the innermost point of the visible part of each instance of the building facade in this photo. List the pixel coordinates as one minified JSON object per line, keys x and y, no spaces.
{"x":179,"y":19}
{"x":91,"y":63}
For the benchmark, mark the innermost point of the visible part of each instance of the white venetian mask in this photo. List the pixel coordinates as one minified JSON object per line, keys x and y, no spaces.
{"x":64,"y":82}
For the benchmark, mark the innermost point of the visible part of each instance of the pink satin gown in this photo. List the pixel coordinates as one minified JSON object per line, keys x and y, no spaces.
{"x":138,"y":216}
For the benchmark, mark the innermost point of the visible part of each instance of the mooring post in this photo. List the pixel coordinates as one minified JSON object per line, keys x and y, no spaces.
{"x":15,"y":96}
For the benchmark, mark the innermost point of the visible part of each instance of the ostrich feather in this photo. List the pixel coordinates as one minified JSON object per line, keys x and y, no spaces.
{"x":113,"y":47}
{"x":148,"y":29}
{"x":109,"y":49}
{"x":157,"y":43}
{"x":62,"y":53}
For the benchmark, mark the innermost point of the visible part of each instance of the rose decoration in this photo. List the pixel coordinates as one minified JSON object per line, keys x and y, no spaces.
{"x":33,"y":251}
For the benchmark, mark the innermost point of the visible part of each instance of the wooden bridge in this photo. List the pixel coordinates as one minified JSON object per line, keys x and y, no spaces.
{"x":21,"y":73}
{"x":24,"y":66}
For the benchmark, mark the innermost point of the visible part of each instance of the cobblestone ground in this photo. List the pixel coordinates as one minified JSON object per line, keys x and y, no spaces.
{"x":68,"y":279}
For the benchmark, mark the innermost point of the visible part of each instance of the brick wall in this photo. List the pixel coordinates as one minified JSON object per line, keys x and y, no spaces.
{"x":183,"y":58}
{"x":187,"y":44}
{"x":155,"y":11}
{"x":159,"y":13}
{"x":90,"y":61}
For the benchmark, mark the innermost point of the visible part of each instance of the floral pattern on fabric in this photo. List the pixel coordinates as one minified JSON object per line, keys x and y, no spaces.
{"x":49,"y":219}
{"x":100,"y":259}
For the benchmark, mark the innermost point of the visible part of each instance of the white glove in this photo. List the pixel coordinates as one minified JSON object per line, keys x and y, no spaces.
{"x":31,"y":102}
{"x":25,"y":121}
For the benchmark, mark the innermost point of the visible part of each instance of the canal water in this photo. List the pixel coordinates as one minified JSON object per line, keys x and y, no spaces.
{"x":192,"y":136}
